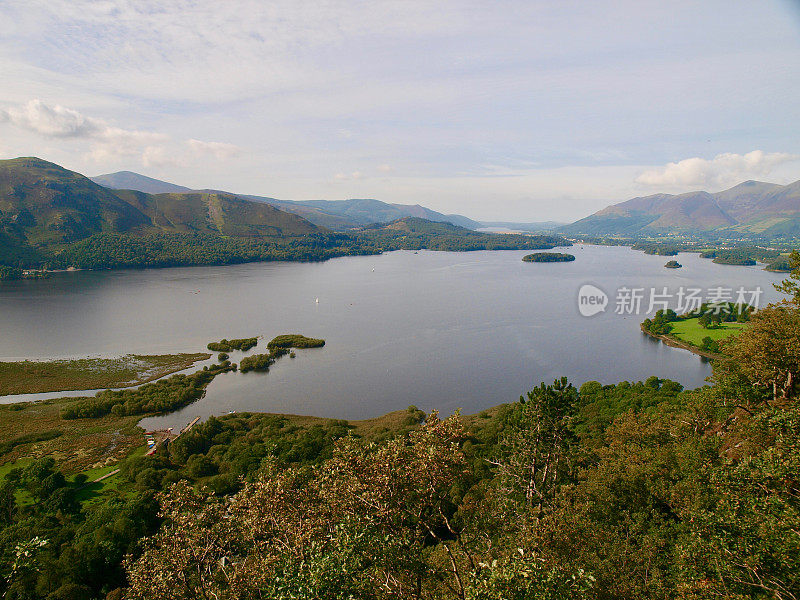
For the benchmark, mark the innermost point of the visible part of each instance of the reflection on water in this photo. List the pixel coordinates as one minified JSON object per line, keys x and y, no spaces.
{"x":434,"y":329}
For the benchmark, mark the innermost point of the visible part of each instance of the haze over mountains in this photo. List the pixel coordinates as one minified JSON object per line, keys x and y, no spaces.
{"x":750,"y":208}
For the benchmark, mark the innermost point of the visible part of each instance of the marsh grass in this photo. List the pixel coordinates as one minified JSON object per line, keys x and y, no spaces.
{"x":31,"y":377}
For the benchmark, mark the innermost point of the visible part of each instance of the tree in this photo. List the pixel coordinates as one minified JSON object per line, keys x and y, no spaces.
{"x":791,"y":286}
{"x":535,"y":456}
{"x":767,"y":353}
{"x":374,"y":521}
{"x":746,"y":541}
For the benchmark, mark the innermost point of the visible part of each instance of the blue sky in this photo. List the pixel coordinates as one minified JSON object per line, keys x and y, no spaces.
{"x":505,"y":110}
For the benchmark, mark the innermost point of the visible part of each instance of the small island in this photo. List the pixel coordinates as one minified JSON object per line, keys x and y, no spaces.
{"x":278,"y":346}
{"x":673,"y":264}
{"x":294,"y":340}
{"x":224,"y":345}
{"x":548,"y":257}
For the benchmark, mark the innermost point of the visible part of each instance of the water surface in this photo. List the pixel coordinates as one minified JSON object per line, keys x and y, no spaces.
{"x":434,"y":329}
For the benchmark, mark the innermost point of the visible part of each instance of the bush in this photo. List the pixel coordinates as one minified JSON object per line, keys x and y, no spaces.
{"x":294,"y":340}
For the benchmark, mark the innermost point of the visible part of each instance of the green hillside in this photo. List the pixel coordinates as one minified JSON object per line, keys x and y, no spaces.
{"x":46,"y":209}
{"x":222,"y":213}
{"x":44,"y":205}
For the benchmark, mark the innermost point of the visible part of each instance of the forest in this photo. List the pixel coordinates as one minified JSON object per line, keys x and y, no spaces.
{"x":632,"y":490}
{"x":167,"y":249}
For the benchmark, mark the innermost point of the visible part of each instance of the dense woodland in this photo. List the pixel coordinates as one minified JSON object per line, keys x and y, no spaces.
{"x":121,"y":250}
{"x":633,"y":490}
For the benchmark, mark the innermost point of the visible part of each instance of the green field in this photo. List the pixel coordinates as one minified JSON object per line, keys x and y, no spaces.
{"x":32,"y":377}
{"x":690,"y":331}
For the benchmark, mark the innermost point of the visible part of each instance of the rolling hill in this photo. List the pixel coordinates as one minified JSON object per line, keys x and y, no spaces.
{"x":752,"y":208}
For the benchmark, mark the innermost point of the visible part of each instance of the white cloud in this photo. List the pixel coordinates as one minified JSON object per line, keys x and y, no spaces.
{"x":109,"y":143}
{"x":57,"y":121}
{"x":219,"y":150}
{"x":722,"y":170}
{"x":160,"y":156}
{"x":52,"y":121}
{"x":355,"y":175}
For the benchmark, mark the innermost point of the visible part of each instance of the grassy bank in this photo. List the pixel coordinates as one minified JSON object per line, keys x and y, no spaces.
{"x":31,"y":377}
{"x":691,"y":332}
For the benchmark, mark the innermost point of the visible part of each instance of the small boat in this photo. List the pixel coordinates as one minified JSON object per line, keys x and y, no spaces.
{"x":317,"y":300}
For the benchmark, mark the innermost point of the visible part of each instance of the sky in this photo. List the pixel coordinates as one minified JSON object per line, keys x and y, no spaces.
{"x":525,"y":110}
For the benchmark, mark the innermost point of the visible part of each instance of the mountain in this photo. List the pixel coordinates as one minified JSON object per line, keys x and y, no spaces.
{"x":128,"y":180}
{"x":43,"y":204}
{"x":750,"y":208}
{"x":513,"y":226}
{"x":45,"y":207}
{"x":365,"y":211}
{"x":314,"y":215}
{"x":338,"y":215}
{"x":216,"y":213}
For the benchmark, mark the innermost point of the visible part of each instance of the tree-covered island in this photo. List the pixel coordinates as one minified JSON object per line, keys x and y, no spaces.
{"x":546,"y":257}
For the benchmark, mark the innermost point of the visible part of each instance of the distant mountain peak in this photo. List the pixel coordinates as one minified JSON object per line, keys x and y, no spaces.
{"x":128,"y":180}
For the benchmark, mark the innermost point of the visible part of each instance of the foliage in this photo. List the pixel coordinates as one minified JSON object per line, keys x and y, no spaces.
{"x":28,"y":438}
{"x":767,"y":353}
{"x":294,"y":340}
{"x":231,"y":345}
{"x":10,"y":273}
{"x":744,"y":255}
{"x":780,"y":265}
{"x":357,"y":525}
{"x":548,"y":257}
{"x":161,"y":396}
{"x":657,"y":249}
{"x":660,"y":323}
{"x":256,"y":362}
{"x":791,"y":286}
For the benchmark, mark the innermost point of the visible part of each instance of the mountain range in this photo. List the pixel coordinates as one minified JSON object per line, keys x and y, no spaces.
{"x":56,"y":218}
{"x":337,"y":215}
{"x":752,"y":208}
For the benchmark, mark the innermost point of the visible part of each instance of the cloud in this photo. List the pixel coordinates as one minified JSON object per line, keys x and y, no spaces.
{"x":110,"y":143}
{"x":722,"y":170}
{"x":51,"y":121}
{"x":57,"y":121}
{"x":219,"y":150}
{"x":348,"y":177}
{"x":160,"y":156}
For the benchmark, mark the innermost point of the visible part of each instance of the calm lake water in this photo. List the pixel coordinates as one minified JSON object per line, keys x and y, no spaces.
{"x":435,"y":329}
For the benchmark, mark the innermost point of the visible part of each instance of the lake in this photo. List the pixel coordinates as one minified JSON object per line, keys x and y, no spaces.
{"x":434,"y":329}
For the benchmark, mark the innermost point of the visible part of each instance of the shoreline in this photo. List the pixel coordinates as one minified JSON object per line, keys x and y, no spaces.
{"x":677,"y":343}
